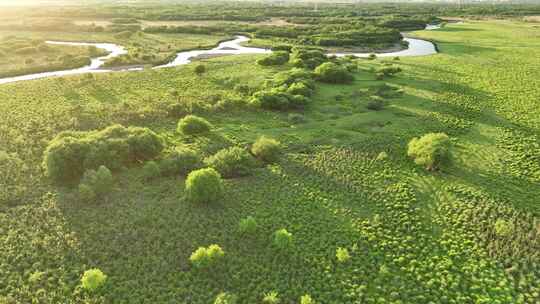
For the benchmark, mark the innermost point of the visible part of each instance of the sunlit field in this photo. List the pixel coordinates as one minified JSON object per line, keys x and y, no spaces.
{"x":290,"y":177}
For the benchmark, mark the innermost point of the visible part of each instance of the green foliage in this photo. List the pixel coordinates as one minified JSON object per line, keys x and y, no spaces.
{"x":151,"y":170}
{"x":204,"y":186}
{"x":206,"y":257}
{"x":266,"y":149}
{"x":375,"y":103}
{"x":248,"y":225}
{"x":271,"y":298}
{"x":342,"y":255}
{"x":70,"y":154}
{"x":307,"y":57}
{"x":503,"y":228}
{"x":93,"y":279}
{"x":276,"y":58}
{"x":232,"y":162}
{"x":283,"y":239}
{"x":333,"y":73}
{"x":226,"y":298}
{"x":192,"y":125}
{"x":180,"y":162}
{"x":200,"y":69}
{"x":432,"y":150}
{"x":388,"y":70}
{"x":95,"y":184}
{"x":306,"y":299}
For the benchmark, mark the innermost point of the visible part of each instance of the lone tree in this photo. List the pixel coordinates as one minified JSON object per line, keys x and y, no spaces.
{"x":431,"y":150}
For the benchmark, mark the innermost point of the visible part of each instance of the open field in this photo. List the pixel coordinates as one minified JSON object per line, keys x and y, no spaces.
{"x":413,"y":236}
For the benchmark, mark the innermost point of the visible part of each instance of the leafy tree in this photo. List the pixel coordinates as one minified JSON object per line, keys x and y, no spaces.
{"x":266,"y":149}
{"x":231,"y":162}
{"x":204,"y":186}
{"x":283,"y":239}
{"x":93,"y":279}
{"x":431,"y":150}
{"x":205,"y":257}
{"x":192,"y":124}
{"x":333,"y":73}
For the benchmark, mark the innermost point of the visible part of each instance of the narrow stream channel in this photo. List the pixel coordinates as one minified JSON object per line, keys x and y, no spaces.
{"x":417,"y":47}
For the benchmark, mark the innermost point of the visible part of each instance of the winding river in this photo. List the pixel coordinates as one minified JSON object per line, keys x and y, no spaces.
{"x":417,"y":47}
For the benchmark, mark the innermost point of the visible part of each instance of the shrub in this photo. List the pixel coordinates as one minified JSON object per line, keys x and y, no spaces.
{"x":283,"y":239}
{"x":93,"y":279}
{"x":200,"y":69}
{"x":376,"y":103}
{"x":431,"y":150}
{"x":231,"y":162}
{"x":503,"y":228}
{"x":248,"y":225}
{"x":271,"y":99}
{"x":151,"y":170}
{"x":300,"y":88}
{"x":295,"y":118}
{"x":292,"y":76}
{"x":204,"y":186}
{"x":372,"y":57}
{"x":282,"y":47}
{"x":307,"y":58}
{"x":333,"y":73}
{"x":206,"y":257}
{"x":388,"y":70}
{"x":276,"y":58}
{"x":266,"y":149}
{"x":225,"y":298}
{"x":95,"y":184}
{"x":70,"y":154}
{"x":191,"y":125}
{"x":181,"y":161}
{"x":342,"y":255}
{"x":306,"y":299}
{"x":271,"y":298}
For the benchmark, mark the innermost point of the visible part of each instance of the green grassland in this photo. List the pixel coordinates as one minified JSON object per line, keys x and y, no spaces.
{"x":413,"y":236}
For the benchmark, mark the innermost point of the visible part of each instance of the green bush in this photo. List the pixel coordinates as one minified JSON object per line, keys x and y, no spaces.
{"x":70,"y":154}
{"x":282,"y":47}
{"x":180,"y":162}
{"x":388,"y":70}
{"x":248,"y":225}
{"x":307,"y":57}
{"x":204,"y":186}
{"x":295,"y":118}
{"x":342,"y":255}
{"x":276,"y":58}
{"x":376,"y":103}
{"x":503,"y":228}
{"x":306,"y":299}
{"x":231,"y":162}
{"x":431,"y":150}
{"x":95,"y":184}
{"x":333,"y":73}
{"x":283,"y":239}
{"x":200,"y":69}
{"x":266,"y":149}
{"x":93,"y":279}
{"x":271,"y":298}
{"x":206,"y":257}
{"x":275,"y":99}
{"x":226,"y":298}
{"x":191,"y":125}
{"x":151,"y":170}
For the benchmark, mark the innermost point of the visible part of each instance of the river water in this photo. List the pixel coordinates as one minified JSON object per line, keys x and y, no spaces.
{"x":417,"y":47}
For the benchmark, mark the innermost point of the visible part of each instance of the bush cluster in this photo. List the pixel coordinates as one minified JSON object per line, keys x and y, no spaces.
{"x":308,"y":58}
{"x":333,"y":73}
{"x":431,"y":150}
{"x":231,"y":162}
{"x":95,"y":184}
{"x":181,"y":161}
{"x":276,"y":58}
{"x":70,"y":154}
{"x":387,"y":71}
{"x":205,"y":257}
{"x":204,"y":186}
{"x":266,"y":149}
{"x":287,"y":90}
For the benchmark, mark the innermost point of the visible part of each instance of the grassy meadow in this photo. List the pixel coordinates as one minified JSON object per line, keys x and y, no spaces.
{"x":343,"y":181}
